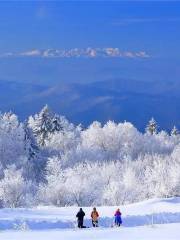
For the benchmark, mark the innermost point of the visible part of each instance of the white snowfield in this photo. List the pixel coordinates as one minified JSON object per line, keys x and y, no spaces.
{"x":150,"y":220}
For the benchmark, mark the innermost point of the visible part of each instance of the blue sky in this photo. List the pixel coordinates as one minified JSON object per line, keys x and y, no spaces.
{"x":146,"y":34}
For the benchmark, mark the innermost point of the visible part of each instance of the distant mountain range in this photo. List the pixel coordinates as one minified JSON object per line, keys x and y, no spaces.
{"x":117,"y":99}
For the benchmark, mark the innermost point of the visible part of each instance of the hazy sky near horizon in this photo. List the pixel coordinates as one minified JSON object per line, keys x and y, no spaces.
{"x":113,"y":39}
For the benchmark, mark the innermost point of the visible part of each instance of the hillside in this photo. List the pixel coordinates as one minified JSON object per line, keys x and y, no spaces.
{"x":152,"y":219}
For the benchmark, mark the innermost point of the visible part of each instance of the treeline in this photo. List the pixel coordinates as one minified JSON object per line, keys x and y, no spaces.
{"x":48,"y":160}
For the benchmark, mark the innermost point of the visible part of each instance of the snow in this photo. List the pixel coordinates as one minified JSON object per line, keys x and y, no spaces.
{"x":151,"y":219}
{"x":165,"y":232}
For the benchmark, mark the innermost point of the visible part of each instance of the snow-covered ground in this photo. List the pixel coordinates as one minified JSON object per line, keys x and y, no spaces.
{"x":160,"y":232}
{"x":152,"y":219}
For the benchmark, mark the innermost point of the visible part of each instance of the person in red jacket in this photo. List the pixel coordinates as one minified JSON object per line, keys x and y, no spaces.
{"x":94,"y":217}
{"x":118,"y":220}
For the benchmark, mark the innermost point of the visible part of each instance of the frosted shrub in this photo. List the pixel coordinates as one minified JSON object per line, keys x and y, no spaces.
{"x":13,"y":188}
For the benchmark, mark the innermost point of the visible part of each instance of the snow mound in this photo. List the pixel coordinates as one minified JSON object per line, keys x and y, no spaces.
{"x":150,"y":212}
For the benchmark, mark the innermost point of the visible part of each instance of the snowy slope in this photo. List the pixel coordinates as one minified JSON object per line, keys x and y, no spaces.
{"x":60,"y":223}
{"x":157,"y":210}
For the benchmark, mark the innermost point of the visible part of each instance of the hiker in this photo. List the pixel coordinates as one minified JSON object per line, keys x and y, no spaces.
{"x":80,"y":218}
{"x":118,"y":220}
{"x":94,"y":217}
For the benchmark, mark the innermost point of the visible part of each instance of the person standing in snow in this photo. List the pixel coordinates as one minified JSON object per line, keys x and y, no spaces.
{"x":94,"y":217}
{"x":80,"y":218}
{"x":118,"y":220}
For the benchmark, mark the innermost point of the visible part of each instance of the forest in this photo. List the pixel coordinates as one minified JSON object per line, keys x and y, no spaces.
{"x":46,"y":160}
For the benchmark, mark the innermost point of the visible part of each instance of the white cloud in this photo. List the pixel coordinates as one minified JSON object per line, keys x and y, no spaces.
{"x":142,"y":54}
{"x":130,"y":54}
{"x":79,"y":52}
{"x":31,"y":53}
{"x":91,"y":52}
{"x":113,"y":52}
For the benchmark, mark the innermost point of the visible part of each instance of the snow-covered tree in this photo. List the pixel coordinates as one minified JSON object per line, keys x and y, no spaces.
{"x":112,"y":141}
{"x":54,"y":191}
{"x":11,"y":141}
{"x":61,"y":124}
{"x":41,"y":125}
{"x":14,"y":191}
{"x":152,"y":127}
{"x":174,"y":131}
{"x":46,"y":123}
{"x":36,"y":163}
{"x":55,"y":162}
{"x":83,"y":186}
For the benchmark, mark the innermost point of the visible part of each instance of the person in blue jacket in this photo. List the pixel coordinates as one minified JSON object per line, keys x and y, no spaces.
{"x":118,"y":220}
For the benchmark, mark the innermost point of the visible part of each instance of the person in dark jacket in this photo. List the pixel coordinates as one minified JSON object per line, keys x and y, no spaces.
{"x":80,"y":218}
{"x":118,"y":220}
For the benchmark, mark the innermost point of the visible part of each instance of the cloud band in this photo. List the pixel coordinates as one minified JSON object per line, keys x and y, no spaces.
{"x":79,"y":52}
